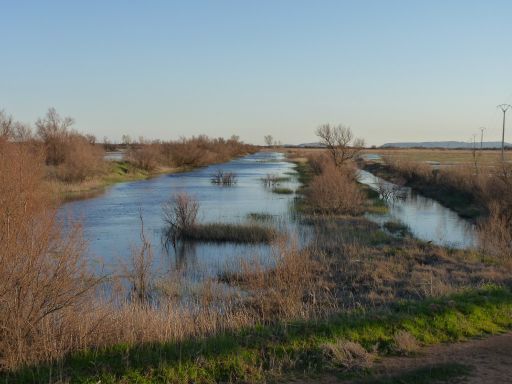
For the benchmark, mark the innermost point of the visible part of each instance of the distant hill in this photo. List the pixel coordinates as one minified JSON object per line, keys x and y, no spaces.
{"x":445,"y":144}
{"x":311,"y":145}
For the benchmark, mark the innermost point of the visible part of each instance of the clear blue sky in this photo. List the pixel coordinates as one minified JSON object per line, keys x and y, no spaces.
{"x":392,"y":70}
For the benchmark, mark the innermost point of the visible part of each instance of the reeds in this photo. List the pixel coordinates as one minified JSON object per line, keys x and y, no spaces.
{"x":232,"y":233}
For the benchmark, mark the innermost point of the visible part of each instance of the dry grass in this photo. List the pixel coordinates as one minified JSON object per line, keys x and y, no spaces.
{"x":349,"y":355}
{"x":372,"y":268}
{"x":443,"y":156}
{"x":404,"y":343}
{"x":294,"y":283}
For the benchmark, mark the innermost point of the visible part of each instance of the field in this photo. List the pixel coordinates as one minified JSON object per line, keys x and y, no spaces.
{"x":443,"y":156}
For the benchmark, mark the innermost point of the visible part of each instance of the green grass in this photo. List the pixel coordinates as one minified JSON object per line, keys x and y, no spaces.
{"x":261,"y":352}
{"x":234,"y":233}
{"x":282,"y":191}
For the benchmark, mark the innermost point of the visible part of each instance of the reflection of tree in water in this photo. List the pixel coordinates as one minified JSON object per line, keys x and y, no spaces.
{"x":185,"y":253}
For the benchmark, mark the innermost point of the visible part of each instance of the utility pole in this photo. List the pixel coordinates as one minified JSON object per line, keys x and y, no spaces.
{"x":482,"y":129}
{"x":504,"y":108}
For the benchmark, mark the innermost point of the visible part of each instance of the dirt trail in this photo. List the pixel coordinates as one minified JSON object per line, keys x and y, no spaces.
{"x":490,"y":359}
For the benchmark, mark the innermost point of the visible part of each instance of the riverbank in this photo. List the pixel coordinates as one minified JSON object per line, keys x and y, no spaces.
{"x":465,"y":204}
{"x":116,"y":172}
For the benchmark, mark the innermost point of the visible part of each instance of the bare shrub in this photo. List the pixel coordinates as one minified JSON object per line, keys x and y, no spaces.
{"x":72,"y":155}
{"x":145,"y":156}
{"x":180,"y":214}
{"x":404,"y":343}
{"x":340,"y":142}
{"x":349,"y":355}
{"x":335,"y":191}
{"x":224,"y":178}
{"x":270,"y":180}
{"x":44,"y":283}
{"x":390,"y":191}
{"x":319,"y":161}
{"x":140,"y":274}
{"x":6,"y":126}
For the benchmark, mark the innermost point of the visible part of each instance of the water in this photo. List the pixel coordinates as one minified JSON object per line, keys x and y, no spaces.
{"x":427,"y":219}
{"x":112,"y":225}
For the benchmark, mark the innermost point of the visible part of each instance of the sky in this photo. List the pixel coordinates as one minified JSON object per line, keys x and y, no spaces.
{"x":392,"y":70}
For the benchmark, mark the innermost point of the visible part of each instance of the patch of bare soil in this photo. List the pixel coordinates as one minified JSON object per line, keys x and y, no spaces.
{"x":490,"y":359}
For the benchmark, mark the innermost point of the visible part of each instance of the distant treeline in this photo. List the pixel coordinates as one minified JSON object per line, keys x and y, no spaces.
{"x":71,"y":156}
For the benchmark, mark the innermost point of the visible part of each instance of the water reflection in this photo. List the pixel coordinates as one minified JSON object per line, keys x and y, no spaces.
{"x":426,"y":218}
{"x":112,"y":227}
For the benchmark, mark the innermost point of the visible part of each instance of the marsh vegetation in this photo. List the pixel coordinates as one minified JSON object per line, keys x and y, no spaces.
{"x":318,"y":289}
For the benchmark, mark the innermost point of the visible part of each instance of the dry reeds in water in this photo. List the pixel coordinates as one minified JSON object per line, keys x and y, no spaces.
{"x":224,"y":178}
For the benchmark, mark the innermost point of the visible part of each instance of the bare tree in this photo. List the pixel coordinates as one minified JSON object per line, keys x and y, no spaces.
{"x":91,"y":139}
{"x":340,"y":142}
{"x":6,"y":126}
{"x":53,"y":130}
{"x":22,"y":132}
{"x":126,"y":140}
{"x":53,"y":125}
{"x":269,"y":140}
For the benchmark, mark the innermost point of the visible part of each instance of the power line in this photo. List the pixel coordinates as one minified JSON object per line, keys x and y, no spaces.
{"x":482,"y":129}
{"x":504,"y":108}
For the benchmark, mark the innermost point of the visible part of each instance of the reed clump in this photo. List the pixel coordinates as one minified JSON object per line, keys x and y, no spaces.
{"x":180,"y":215}
{"x":233,"y":233}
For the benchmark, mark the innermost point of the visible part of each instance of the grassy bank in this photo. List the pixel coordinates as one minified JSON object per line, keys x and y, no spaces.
{"x":116,"y":172}
{"x":261,"y":353}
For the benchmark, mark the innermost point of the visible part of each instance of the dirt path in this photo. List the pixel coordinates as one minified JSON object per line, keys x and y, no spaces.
{"x":490,"y":359}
